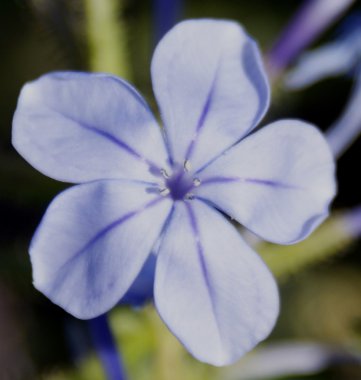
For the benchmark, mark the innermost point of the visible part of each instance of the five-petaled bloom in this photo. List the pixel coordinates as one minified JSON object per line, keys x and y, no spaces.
{"x":142,"y":193}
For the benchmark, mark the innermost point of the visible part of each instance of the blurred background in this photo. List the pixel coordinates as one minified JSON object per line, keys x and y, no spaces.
{"x":318,"y":335}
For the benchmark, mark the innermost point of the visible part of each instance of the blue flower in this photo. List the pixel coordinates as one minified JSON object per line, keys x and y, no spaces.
{"x":141,"y":192}
{"x":340,"y":57}
{"x":293,"y":360}
{"x":308,"y":23}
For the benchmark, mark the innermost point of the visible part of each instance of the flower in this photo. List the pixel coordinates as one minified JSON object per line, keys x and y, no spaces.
{"x":309,"y":22}
{"x":143,"y":193}
{"x":288,"y":359}
{"x":340,"y":57}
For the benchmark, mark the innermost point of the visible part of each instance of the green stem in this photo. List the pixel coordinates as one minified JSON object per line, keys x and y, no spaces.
{"x":106,"y":37}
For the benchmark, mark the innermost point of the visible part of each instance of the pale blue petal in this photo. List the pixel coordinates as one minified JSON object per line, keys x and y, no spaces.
{"x":308,"y":23}
{"x":93,"y":242}
{"x":79,"y":127}
{"x":342,"y":133}
{"x":290,"y":359}
{"x":278,"y":182}
{"x":211,"y":88}
{"x":327,"y":61}
{"x":213,"y":292}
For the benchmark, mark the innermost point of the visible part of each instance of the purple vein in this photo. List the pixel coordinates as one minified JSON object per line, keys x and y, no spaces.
{"x":108,"y":136}
{"x":203,"y":117}
{"x":100,"y":234}
{"x":117,"y":223}
{"x":270,"y":182}
{"x":113,"y":139}
{"x":256,"y":181}
{"x":200,"y":252}
{"x":121,"y":144}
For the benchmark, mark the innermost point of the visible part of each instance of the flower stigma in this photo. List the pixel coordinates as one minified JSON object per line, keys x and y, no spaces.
{"x":179,"y":183}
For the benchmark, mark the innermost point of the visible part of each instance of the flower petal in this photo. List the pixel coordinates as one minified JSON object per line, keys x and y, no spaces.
{"x":278,"y":182}
{"x":330,"y":60}
{"x":290,"y":359}
{"x":347,"y":128}
{"x":79,"y":127}
{"x":214,"y":293}
{"x":93,"y":242}
{"x":211,"y":88}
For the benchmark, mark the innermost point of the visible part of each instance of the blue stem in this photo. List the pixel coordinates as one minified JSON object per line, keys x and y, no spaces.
{"x":106,"y":348}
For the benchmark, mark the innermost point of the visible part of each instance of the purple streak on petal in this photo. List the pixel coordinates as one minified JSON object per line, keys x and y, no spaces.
{"x":201,"y":119}
{"x":106,"y":348}
{"x":257,"y":181}
{"x":254,"y":72}
{"x":165,"y":14}
{"x":268,"y":182}
{"x":211,"y":180}
{"x":115,"y":140}
{"x":102,"y":233}
{"x":117,"y":223}
{"x":306,"y":26}
{"x":122,"y":145}
{"x":200,"y":251}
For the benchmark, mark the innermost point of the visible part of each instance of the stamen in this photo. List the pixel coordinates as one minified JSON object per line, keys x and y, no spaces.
{"x":196,"y":182}
{"x":164,"y":191}
{"x":187,"y":165}
{"x":164,"y":173}
{"x":189,"y":197}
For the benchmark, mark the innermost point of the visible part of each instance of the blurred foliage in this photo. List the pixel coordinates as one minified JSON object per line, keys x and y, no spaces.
{"x":320,"y":277}
{"x":107,"y":51}
{"x":331,"y":238}
{"x":327,"y":304}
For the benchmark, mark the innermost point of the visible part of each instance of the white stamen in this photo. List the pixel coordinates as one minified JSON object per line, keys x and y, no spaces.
{"x":196,"y":182}
{"x":187,"y":165}
{"x":164,"y":191}
{"x":189,"y":197}
{"x":164,"y":173}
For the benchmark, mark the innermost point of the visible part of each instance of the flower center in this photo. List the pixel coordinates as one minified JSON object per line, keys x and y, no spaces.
{"x":180,"y":183}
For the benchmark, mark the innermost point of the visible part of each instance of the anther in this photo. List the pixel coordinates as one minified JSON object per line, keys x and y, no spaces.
{"x":196,"y":182}
{"x":164,"y":191}
{"x":187,"y":165}
{"x":189,"y":196}
{"x":164,"y":173}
